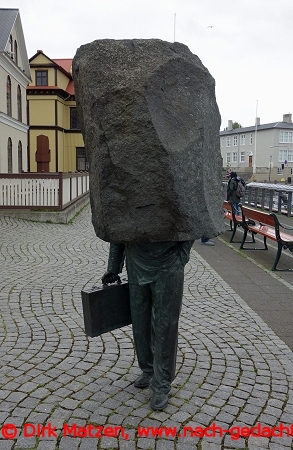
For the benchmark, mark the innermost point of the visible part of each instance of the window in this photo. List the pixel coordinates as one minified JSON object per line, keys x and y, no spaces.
{"x":19,"y":106}
{"x":19,"y":157}
{"x":250,"y":139}
{"x":234,"y":157}
{"x":11,"y":44}
{"x":9,"y":155}
{"x":228,"y":158}
{"x":222,"y":142}
{"x":285,"y":136}
{"x":283,"y":155}
{"x":228,"y":141}
{"x":74,"y":122}
{"x":41,"y":78}
{"x":235,"y":141}
{"x":15,"y":52}
{"x":242,"y":157}
{"x":81,"y":159}
{"x":8,"y":96}
{"x":242,"y":139}
{"x":280,"y":171}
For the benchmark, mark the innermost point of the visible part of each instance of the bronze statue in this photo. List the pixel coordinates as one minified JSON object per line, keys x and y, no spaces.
{"x":155,"y":274}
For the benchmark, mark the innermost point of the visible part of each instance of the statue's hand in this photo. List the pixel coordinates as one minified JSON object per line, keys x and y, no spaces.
{"x":110,"y":277}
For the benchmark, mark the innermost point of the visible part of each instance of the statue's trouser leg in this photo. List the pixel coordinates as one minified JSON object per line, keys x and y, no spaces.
{"x":155,"y":312}
{"x":141,"y":314}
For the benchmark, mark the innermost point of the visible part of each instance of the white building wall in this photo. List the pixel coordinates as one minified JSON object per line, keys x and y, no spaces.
{"x":16,"y":135}
{"x":10,"y":126}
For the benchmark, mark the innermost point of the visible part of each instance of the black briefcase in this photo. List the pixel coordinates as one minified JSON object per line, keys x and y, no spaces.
{"x":106,"y":308}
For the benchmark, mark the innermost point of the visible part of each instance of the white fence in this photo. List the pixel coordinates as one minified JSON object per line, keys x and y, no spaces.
{"x":42,"y":191}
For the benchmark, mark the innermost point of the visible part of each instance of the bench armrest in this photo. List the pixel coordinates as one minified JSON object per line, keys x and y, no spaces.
{"x":286,"y":227}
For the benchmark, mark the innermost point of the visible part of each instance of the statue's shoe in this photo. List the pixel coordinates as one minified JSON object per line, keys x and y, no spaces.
{"x":159,"y":401}
{"x":143,"y":380}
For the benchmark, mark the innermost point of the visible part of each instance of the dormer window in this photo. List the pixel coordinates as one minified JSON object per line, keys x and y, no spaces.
{"x":19,"y":157}
{"x":19,"y":105}
{"x":8,"y":96}
{"x":41,"y":77}
{"x":9,"y":155}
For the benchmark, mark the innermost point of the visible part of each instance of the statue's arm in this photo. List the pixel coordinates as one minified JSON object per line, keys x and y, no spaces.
{"x":115,"y":263}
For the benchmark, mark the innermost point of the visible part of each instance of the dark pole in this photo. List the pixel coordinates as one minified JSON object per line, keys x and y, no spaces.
{"x":270,"y":168}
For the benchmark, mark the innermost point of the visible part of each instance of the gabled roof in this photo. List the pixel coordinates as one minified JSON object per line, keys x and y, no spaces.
{"x":7,"y":20}
{"x":64,"y":65}
{"x":266,"y":126}
{"x":70,"y":88}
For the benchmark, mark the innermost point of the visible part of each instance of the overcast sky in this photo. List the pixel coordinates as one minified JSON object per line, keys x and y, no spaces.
{"x":246,"y":45}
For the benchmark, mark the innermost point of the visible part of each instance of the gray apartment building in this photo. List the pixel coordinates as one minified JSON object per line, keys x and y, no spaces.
{"x":259,"y":152}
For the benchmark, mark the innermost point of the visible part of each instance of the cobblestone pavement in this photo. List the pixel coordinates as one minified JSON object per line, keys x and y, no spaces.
{"x":232,"y":369}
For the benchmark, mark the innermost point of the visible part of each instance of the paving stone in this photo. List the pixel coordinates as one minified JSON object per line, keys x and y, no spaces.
{"x":210,"y":446}
{"x":267,"y":419}
{"x":25,"y":442}
{"x":68,"y":403}
{"x":69,"y":443}
{"x":88,"y":444}
{"x":146,"y":443}
{"x":127,"y":445}
{"x":20,"y":412}
{"x":163,"y":444}
{"x":180,"y":416}
{"x":276,"y":446}
{"x":6,"y":445}
{"x":259,"y":442}
{"x":46,"y":445}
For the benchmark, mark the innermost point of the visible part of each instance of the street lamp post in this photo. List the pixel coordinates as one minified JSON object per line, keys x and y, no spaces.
{"x":270,"y":168}
{"x":255,"y":136}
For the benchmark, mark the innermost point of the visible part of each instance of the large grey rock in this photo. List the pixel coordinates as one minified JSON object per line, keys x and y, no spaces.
{"x":151,"y":129}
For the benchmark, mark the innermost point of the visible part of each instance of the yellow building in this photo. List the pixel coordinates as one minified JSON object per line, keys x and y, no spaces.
{"x":52,"y":116}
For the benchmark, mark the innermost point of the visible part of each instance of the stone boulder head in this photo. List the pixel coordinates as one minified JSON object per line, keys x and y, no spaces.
{"x":150,"y":124}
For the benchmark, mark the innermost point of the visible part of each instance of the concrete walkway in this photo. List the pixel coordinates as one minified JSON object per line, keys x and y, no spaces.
{"x":249,"y":273}
{"x":233,"y":369}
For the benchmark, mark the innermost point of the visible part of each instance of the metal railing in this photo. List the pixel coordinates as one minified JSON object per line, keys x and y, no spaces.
{"x":272,"y":197}
{"x":52,"y":191}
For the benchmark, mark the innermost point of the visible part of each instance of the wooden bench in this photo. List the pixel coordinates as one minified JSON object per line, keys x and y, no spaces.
{"x":268,"y":226}
{"x":235,"y":219}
